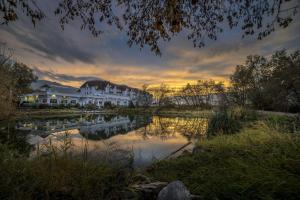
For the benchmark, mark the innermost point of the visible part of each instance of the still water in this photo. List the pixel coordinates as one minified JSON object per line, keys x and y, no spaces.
{"x":144,"y":138}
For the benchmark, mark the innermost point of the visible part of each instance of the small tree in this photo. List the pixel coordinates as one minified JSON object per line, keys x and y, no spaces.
{"x":144,"y":98}
{"x":161,"y":94}
{"x":108,"y":105}
{"x":131,"y":105}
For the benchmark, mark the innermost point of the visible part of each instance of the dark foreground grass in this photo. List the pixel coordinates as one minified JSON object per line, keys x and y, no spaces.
{"x":258,"y":163}
{"x":59,"y":177}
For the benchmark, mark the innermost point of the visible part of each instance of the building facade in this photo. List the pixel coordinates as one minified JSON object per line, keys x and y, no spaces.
{"x":95,"y":92}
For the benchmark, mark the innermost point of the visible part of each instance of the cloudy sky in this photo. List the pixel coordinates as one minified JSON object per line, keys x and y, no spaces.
{"x":72,"y":56}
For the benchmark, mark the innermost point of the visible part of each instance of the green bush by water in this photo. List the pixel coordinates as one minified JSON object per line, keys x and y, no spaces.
{"x":229,"y":121}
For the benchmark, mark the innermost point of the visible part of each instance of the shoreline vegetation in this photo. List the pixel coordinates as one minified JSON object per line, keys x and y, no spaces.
{"x":258,"y":159}
{"x":167,"y":112}
{"x":173,"y":112}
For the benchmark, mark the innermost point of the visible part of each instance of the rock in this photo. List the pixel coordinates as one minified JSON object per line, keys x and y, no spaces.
{"x":149,"y":190}
{"x":175,"y":190}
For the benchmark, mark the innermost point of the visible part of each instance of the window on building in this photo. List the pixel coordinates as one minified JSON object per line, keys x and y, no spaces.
{"x":53,"y":100}
{"x":73,"y":101}
{"x":64,"y":101}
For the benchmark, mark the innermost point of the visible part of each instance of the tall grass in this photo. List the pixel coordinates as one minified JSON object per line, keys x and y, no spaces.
{"x":229,"y":120}
{"x":257,"y":163}
{"x":223,"y":122}
{"x":59,"y":174}
{"x":290,"y":124}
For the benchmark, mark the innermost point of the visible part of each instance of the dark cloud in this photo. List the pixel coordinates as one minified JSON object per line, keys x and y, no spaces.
{"x":49,"y":47}
{"x":217,"y":68}
{"x":42,"y":74}
{"x":50,"y":43}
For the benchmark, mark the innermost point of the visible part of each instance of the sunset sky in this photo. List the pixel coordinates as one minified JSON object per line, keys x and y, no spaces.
{"x":73,"y":56}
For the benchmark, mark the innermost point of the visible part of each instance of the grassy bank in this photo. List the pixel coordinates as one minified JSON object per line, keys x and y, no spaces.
{"x":257,"y":163}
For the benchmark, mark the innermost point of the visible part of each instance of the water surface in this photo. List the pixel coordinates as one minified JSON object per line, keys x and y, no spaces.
{"x":145,"y":138}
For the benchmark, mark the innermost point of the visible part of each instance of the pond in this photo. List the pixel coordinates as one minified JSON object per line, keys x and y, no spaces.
{"x":113,"y":137}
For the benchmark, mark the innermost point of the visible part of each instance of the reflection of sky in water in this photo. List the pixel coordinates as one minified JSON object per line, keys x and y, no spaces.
{"x":149,"y":138}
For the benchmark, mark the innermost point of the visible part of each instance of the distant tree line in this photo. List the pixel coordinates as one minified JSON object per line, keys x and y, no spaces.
{"x":261,"y":83}
{"x":200,"y":94}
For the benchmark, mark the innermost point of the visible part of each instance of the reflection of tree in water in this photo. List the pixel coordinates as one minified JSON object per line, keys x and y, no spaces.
{"x":108,"y":118}
{"x":14,"y":139}
{"x":191,"y":128}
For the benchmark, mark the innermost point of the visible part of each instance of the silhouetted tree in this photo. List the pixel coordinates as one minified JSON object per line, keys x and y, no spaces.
{"x":272,"y":84}
{"x":146,"y":22}
{"x":16,"y":79}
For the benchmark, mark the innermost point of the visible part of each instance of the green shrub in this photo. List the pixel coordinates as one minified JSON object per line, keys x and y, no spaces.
{"x":284,"y":123}
{"x":230,"y":120}
{"x":109,"y":105}
{"x":91,"y":106}
{"x":131,"y":105}
{"x":77,"y":105}
{"x":43,"y":106}
{"x":223,"y":122}
{"x":61,"y":106}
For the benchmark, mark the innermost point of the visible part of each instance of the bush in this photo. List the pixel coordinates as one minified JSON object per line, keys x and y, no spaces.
{"x":108,"y":105}
{"x":223,"y":122}
{"x":43,"y":106}
{"x":91,"y":106}
{"x":77,"y":105}
{"x":131,"y":105}
{"x":230,"y":120}
{"x":290,"y":124}
{"x":61,"y":106}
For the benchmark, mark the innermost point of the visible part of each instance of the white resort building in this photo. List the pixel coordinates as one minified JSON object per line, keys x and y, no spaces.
{"x":95,"y":92}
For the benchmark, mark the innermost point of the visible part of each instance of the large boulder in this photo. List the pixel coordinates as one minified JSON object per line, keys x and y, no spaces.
{"x":175,"y":190}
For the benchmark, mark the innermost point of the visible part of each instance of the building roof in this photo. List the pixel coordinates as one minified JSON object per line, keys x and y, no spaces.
{"x":101,"y":85}
{"x":41,"y":85}
{"x":64,"y":89}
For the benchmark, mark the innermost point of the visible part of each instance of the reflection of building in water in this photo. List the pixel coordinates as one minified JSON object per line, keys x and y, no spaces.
{"x":118,"y":125}
{"x":166,"y":127}
{"x":92,"y":127}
